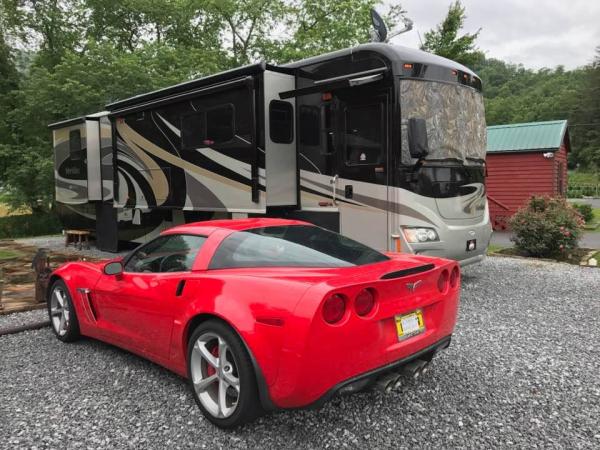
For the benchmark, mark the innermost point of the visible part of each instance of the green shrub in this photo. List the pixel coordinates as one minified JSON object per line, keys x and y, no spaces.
{"x":546,"y":227}
{"x":29,"y":225}
{"x":586,"y":211}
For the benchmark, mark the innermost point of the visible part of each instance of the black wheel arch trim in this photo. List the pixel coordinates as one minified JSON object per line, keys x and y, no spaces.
{"x":261,"y":383}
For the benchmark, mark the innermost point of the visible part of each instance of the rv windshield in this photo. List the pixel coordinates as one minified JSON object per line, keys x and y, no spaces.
{"x":455,"y":120}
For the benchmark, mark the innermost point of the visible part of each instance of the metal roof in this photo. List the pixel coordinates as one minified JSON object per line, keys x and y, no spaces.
{"x":396,"y":53}
{"x":526,"y":137}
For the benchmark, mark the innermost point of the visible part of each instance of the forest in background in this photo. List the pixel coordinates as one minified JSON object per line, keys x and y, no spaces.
{"x":66,"y":58}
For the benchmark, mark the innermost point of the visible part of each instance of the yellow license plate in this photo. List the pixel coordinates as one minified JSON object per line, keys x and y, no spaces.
{"x":411,"y":324}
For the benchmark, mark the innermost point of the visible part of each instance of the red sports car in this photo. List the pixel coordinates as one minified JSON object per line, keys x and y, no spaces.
{"x":262,"y":314}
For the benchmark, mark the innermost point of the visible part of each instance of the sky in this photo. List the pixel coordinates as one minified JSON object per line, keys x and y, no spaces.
{"x":535,"y":33}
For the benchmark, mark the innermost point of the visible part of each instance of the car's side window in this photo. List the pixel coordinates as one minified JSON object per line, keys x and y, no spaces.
{"x":172,"y":253}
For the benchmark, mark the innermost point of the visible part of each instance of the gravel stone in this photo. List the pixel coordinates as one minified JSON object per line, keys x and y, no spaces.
{"x":522,"y":371}
{"x":22,"y":318}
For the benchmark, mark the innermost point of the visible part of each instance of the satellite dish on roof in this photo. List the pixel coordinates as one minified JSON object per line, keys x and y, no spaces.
{"x":379,"y":32}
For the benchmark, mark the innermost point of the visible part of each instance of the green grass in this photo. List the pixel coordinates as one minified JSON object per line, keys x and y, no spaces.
{"x":8,"y":254}
{"x":493,"y":248}
{"x":578,"y":177}
{"x":595,"y":221}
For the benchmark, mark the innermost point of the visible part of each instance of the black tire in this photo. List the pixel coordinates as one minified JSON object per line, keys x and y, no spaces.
{"x":70,"y":331}
{"x":248,"y":404}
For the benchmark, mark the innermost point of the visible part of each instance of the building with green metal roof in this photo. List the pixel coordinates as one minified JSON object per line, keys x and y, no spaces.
{"x":524,"y":159}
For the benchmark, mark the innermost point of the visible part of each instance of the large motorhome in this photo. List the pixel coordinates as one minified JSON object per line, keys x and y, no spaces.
{"x":382,"y":143}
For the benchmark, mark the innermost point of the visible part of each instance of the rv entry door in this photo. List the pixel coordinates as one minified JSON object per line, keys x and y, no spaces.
{"x":362,"y":168}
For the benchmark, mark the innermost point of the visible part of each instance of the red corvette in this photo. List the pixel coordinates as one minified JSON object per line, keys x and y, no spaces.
{"x":262,"y":314}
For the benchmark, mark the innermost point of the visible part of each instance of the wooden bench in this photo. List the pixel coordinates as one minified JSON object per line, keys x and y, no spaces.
{"x":77,"y":238}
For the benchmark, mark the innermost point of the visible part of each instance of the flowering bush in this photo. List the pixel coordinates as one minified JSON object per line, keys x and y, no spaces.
{"x":546,"y":227}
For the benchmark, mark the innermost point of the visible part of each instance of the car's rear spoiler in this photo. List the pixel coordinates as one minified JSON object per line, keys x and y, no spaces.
{"x":406,"y":272}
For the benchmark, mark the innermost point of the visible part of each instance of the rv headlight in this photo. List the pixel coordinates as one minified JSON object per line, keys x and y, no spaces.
{"x":414,"y":235}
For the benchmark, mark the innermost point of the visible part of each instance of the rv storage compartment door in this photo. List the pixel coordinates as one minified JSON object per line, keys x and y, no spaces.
{"x":280,"y":141}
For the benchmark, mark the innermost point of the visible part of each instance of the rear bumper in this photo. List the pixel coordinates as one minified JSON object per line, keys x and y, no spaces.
{"x":356,"y":383}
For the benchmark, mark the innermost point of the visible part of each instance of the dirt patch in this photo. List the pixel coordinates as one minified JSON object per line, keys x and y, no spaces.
{"x":17,"y":277}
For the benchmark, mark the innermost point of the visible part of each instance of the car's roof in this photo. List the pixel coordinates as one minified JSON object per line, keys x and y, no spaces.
{"x":209,"y":226}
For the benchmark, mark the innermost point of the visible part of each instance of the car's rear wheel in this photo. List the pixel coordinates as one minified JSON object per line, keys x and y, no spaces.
{"x":62,"y":313}
{"x":221,"y":375}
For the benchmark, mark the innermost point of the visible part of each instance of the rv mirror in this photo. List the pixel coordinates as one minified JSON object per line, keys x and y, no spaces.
{"x":379,"y":33}
{"x":113,"y":268}
{"x":417,"y":138}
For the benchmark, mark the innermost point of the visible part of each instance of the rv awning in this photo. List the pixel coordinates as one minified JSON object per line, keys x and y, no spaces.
{"x":349,"y":80}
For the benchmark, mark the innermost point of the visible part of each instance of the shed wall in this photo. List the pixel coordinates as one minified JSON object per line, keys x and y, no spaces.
{"x":512,"y":178}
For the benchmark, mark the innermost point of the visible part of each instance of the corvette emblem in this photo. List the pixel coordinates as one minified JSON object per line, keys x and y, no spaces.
{"x":412,"y":287}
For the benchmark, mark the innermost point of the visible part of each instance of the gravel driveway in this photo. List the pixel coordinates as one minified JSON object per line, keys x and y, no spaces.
{"x":523,"y":370}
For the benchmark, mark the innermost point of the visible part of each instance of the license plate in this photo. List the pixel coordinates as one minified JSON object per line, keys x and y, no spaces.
{"x":471,"y":245}
{"x":411,"y":324}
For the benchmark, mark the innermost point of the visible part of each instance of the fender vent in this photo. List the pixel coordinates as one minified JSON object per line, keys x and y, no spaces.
{"x":407,"y":272}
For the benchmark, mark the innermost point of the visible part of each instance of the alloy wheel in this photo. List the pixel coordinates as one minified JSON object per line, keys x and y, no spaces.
{"x":60,"y":311}
{"x":215,"y":376}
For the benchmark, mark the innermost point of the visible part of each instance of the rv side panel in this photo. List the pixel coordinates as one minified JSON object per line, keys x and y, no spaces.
{"x":70,"y":169}
{"x":194,"y":154}
{"x":92,"y":128}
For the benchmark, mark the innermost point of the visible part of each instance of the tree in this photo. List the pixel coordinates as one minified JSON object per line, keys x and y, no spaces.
{"x":586,"y":119}
{"x":8,"y":82}
{"x":446,"y":42}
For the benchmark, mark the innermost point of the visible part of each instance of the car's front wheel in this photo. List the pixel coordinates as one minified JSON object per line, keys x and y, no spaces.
{"x":62,"y":313}
{"x":221,"y":375}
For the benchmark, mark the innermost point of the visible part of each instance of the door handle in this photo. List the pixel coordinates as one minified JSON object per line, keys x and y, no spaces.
{"x":333,"y":183}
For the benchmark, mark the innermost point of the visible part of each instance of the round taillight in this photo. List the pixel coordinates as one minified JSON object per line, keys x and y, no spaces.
{"x":443,"y":281}
{"x":454,"y":277}
{"x":364,"y":302}
{"x":334,"y":308}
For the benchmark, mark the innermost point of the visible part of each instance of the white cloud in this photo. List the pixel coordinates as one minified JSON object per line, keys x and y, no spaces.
{"x":543,"y":33}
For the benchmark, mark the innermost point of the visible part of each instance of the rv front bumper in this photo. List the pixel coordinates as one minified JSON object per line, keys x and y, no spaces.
{"x":454,"y":243}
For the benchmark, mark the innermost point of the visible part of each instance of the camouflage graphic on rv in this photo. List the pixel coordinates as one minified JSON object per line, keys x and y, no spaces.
{"x":455,"y":120}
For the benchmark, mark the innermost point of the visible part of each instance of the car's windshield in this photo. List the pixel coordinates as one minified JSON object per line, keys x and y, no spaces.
{"x":292,"y":246}
{"x":455,"y":120}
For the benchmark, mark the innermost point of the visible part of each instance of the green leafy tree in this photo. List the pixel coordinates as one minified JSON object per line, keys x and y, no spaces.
{"x":53,"y":27}
{"x":8,"y":82}
{"x":586,"y":119}
{"x":445,"y":41}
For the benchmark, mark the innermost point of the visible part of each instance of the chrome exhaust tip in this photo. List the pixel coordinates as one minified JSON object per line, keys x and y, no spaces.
{"x":387,"y":383}
{"x":414,"y":369}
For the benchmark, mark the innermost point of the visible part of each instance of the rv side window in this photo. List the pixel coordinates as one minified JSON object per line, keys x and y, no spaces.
{"x":192,"y":131}
{"x":220,"y":125}
{"x":75,"y":144}
{"x":364,"y":134}
{"x":281,"y":122}
{"x":310,"y":125}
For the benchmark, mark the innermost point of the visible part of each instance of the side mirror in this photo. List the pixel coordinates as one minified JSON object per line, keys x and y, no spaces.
{"x":113,"y":268}
{"x":417,"y":138}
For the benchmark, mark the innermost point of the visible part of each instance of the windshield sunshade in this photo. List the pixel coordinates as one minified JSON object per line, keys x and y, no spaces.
{"x":455,"y":120}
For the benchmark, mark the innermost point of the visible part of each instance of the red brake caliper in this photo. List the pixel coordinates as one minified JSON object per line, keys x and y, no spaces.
{"x":210,"y":370}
